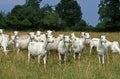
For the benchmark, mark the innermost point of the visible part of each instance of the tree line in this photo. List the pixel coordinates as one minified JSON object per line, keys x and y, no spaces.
{"x":65,"y":16}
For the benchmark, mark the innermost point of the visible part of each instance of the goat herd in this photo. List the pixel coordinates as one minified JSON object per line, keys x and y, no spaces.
{"x":39,"y":44}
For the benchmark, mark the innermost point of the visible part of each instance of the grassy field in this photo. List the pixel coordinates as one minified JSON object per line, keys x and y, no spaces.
{"x":15,"y":66}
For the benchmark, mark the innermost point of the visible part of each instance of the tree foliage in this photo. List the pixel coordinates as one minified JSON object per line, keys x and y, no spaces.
{"x":23,"y":18}
{"x":2,"y":20}
{"x":109,"y":11}
{"x":69,"y":12}
{"x":66,"y":15}
{"x":33,"y":4}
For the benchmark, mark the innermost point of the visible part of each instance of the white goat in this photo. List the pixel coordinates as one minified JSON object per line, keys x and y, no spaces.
{"x":53,"y":46}
{"x":62,"y":48}
{"x":87,"y":38}
{"x":21,"y":42}
{"x":37,"y":37}
{"x":78,"y":44}
{"x":4,"y":41}
{"x":102,"y":49}
{"x":67,"y":42}
{"x":39,"y":48}
{"x":115,"y":48}
{"x":49,"y":32}
{"x":4,"y":44}
{"x":38,"y":33}
{"x":93,"y":43}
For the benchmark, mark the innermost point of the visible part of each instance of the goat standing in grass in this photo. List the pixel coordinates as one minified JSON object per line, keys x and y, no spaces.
{"x":4,"y":41}
{"x":21,"y":41}
{"x":62,"y":48}
{"x":39,"y":48}
{"x":53,"y":46}
{"x":78,"y":45}
{"x":102,"y":49}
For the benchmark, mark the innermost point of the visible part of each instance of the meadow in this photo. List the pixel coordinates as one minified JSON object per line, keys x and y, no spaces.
{"x":15,"y":66}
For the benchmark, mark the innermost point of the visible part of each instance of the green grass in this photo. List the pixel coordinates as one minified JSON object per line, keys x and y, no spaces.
{"x":15,"y":66}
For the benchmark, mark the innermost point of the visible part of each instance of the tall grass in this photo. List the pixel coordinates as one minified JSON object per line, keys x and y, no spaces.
{"x":15,"y":66}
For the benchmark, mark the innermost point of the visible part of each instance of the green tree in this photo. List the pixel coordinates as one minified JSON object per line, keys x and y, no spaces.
{"x":49,"y":18}
{"x":2,"y":20}
{"x":82,"y":26}
{"x":51,"y":21}
{"x":109,"y":11}
{"x":23,"y":18}
{"x":69,"y":12}
{"x":101,"y":26}
{"x":33,"y":4}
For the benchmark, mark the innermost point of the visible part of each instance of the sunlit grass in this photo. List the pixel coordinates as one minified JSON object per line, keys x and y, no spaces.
{"x":15,"y":66}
